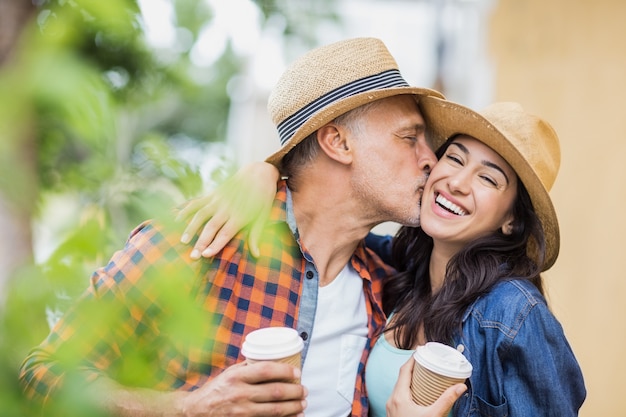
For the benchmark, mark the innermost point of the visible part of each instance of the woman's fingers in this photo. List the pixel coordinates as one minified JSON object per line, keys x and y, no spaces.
{"x":203,"y":210}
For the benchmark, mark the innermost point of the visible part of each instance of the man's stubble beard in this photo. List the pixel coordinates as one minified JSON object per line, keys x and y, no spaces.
{"x":379,"y":206}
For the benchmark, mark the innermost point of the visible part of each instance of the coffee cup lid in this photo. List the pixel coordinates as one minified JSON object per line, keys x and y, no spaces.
{"x":443,"y":360}
{"x":271,"y":343}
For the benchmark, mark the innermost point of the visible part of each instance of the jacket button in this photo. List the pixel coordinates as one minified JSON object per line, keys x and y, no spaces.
{"x":304,"y":335}
{"x":310,"y":274}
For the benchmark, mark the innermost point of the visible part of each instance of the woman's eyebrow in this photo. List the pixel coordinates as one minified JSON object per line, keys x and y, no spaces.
{"x":461,"y":147}
{"x":497,"y":168}
{"x":489,"y":164}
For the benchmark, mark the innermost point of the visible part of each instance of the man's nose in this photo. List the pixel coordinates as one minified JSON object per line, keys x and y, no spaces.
{"x":426,"y":157}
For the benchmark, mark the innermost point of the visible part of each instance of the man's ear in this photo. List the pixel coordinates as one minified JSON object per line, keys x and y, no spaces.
{"x":334,"y":141}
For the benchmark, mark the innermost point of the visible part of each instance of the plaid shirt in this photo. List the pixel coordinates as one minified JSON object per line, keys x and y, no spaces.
{"x":154,"y":318}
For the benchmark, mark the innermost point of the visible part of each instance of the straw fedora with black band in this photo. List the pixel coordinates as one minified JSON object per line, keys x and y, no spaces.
{"x":528,"y":143}
{"x":329,"y":81}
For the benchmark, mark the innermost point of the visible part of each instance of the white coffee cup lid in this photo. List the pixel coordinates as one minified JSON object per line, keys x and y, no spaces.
{"x":443,"y":360}
{"x":271,"y":343}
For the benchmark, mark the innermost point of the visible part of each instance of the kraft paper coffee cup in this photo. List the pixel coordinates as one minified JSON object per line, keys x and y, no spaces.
{"x":437,"y":367}
{"x":281,"y":344}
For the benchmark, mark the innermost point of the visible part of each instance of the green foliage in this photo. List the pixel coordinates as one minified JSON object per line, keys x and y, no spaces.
{"x":91,"y":114}
{"x":301,"y":17}
{"x":192,"y":15}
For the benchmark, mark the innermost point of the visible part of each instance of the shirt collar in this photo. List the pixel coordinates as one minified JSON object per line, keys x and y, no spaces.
{"x":282,"y":211}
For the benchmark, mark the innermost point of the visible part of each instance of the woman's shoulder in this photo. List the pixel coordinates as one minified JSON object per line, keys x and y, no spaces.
{"x":381,"y":245}
{"x":508,"y":303}
{"x":516,"y":291}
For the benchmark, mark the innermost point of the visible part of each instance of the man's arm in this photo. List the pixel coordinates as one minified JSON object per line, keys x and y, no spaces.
{"x":241,"y":390}
{"x":109,"y":344}
{"x":62,"y":375}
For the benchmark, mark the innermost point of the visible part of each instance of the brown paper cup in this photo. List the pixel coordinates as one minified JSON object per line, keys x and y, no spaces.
{"x":437,"y":367}
{"x":293,"y":360}
{"x":277,"y":344}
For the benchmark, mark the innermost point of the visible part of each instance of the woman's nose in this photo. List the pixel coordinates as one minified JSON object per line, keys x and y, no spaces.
{"x":459,"y":183}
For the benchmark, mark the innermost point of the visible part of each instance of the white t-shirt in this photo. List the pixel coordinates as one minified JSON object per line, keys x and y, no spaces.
{"x":337,"y":343}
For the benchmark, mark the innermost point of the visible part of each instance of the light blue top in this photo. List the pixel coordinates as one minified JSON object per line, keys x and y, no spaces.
{"x":381,"y":373}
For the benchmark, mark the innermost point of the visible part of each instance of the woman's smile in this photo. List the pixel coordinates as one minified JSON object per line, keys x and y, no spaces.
{"x":448,"y":205}
{"x":469,"y":193}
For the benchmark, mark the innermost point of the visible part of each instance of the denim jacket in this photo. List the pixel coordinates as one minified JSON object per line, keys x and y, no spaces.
{"x":522,"y":363}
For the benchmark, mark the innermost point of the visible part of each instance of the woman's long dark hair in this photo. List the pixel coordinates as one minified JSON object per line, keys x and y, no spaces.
{"x":472,"y":272}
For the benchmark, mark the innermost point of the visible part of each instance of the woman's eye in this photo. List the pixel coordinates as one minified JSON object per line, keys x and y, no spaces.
{"x":490,"y":180}
{"x":453,"y":158}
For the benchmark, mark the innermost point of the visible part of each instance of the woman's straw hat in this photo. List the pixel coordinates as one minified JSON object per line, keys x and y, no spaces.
{"x":529,"y":144}
{"x":329,"y":81}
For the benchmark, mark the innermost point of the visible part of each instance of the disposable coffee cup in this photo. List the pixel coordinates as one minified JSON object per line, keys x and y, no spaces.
{"x":437,"y":367}
{"x":279,"y":344}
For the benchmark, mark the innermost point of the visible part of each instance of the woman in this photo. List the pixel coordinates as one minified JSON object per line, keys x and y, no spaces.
{"x":469,"y":276}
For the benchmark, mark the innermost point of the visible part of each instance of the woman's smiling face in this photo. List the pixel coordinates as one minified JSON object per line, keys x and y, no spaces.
{"x":469,"y":194}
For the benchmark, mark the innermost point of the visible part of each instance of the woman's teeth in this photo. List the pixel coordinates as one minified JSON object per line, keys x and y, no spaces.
{"x":451,"y":207}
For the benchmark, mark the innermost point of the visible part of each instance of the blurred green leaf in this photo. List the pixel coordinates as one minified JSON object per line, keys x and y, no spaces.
{"x":92,"y":113}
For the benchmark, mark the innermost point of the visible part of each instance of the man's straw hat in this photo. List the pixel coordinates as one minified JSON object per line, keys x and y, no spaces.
{"x":529,"y":144}
{"x":329,"y":81}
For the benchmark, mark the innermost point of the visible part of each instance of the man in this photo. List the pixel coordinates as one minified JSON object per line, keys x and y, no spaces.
{"x":348,"y":123}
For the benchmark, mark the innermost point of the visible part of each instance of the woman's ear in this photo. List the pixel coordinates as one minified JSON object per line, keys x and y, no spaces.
{"x":334,"y":142}
{"x":507,"y":227}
